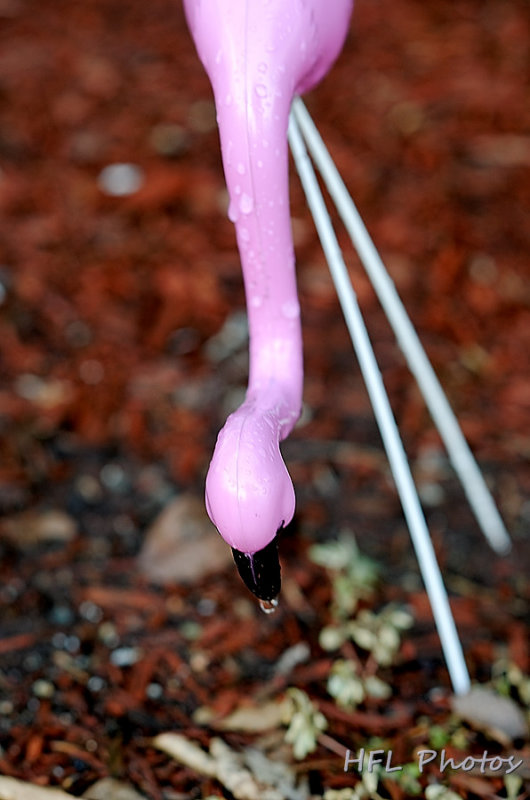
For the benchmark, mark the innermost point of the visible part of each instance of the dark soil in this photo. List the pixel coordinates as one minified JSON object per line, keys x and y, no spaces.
{"x":113,"y":386}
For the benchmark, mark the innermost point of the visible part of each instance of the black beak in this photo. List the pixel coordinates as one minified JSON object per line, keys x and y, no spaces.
{"x":260,"y":571}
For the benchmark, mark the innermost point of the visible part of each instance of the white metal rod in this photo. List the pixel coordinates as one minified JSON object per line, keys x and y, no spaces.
{"x":396,"y":455}
{"x":464,"y":463}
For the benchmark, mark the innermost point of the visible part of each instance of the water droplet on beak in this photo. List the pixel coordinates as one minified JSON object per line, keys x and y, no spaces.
{"x":269,"y":606}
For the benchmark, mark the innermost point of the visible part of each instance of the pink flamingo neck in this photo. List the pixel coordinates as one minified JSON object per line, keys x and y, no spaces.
{"x":258,"y":55}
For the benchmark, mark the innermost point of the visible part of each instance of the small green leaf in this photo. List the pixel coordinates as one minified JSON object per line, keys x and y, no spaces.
{"x":375,"y":687}
{"x":305,"y":723}
{"x":438,"y":737}
{"x":332,"y":637}
{"x":337,"y":554}
{"x":408,"y":779}
{"x":345,"y":685}
{"x":438,"y":792}
{"x":512,"y":784}
{"x":363,"y":637}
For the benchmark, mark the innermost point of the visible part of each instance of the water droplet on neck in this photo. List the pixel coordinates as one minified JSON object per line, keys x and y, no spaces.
{"x":291,"y":309}
{"x":246,"y":204}
{"x":269,"y":606}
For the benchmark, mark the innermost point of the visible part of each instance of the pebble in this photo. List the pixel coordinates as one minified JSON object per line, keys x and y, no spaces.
{"x":43,"y":689}
{"x":125,"y":656}
{"x":32,"y":662}
{"x":120,"y":180}
{"x":59,"y":640}
{"x":108,"y":634}
{"x":72,"y":644}
{"x":114,"y":478}
{"x":90,"y":611}
{"x":154,"y":691}
{"x":95,"y":683}
{"x":61,"y":615}
{"x":89,"y":488}
{"x":206,"y":607}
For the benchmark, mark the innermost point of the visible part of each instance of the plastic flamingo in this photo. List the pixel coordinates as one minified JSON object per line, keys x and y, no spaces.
{"x":259,"y":56}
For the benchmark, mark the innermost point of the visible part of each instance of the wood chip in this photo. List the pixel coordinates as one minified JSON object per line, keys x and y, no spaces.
{"x":28,"y":528}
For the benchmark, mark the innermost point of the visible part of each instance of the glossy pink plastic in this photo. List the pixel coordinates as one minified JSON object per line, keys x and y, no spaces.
{"x":258,"y":55}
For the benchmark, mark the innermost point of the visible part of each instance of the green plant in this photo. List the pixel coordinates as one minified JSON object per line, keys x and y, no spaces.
{"x":438,"y":792}
{"x":349,"y":688}
{"x":368,"y":785}
{"x":378,"y":634}
{"x":354,"y":575}
{"x":513,"y":785}
{"x":508,"y":679}
{"x":350,"y":681}
{"x":305,"y":722}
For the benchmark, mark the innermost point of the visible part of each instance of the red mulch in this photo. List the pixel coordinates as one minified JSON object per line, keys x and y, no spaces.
{"x":110,"y":399}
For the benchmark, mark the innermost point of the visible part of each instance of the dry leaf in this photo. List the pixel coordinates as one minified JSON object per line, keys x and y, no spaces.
{"x":13,"y":789}
{"x":222,"y":763}
{"x":254,"y":719}
{"x":185,"y":751}
{"x":484,"y":709}
{"x":182,"y":544}
{"x":237,"y":778}
{"x":112,"y":789}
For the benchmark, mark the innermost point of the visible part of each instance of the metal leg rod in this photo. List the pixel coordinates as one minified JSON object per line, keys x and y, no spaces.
{"x":474,"y":485}
{"x":398,"y":460}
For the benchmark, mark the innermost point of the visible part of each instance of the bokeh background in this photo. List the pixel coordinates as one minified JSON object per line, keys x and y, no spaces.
{"x":123,"y":340}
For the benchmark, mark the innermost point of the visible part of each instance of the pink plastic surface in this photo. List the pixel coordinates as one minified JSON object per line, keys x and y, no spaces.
{"x":258,"y":55}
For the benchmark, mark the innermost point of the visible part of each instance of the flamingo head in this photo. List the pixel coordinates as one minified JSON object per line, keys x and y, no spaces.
{"x":250,"y":495}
